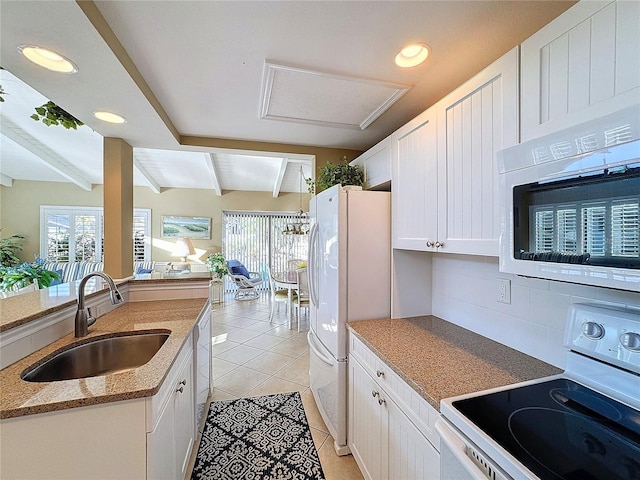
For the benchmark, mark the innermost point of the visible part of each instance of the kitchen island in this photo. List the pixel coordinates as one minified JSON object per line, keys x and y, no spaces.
{"x":138,"y":423}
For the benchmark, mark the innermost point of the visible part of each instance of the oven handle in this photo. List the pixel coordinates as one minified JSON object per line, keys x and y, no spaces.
{"x":457,"y":448}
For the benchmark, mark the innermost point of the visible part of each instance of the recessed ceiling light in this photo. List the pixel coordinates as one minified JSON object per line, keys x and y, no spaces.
{"x":412,"y":55}
{"x":109,"y":117}
{"x":48,"y":59}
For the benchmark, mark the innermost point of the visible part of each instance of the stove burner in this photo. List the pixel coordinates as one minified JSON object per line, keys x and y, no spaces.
{"x":599,"y":449}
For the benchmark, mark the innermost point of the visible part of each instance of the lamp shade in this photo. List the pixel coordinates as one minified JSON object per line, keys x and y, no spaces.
{"x":183,"y":248}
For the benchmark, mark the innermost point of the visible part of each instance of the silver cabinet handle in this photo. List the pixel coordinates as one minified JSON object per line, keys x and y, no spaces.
{"x":379,"y":373}
{"x":382,"y":401}
{"x":430,"y":244}
{"x":374,"y":393}
{"x":439,"y":244}
{"x":180,"y":390}
{"x":183,"y":382}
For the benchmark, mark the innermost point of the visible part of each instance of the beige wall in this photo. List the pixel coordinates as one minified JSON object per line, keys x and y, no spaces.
{"x":20,"y":210}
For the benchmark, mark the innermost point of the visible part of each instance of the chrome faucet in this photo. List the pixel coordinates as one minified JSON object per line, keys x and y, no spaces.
{"x":84,"y":318}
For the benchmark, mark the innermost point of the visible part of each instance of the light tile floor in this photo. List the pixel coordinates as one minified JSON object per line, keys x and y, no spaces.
{"x":253,"y":357}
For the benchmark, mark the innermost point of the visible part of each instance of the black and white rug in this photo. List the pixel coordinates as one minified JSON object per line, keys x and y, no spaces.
{"x":257,"y":438}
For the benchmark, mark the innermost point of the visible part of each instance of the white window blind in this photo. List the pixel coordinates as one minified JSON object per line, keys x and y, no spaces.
{"x":594,"y":237}
{"x":625,"y":229}
{"x":606,"y":228}
{"x":566,"y":220}
{"x":257,"y":241}
{"x":544,"y":231}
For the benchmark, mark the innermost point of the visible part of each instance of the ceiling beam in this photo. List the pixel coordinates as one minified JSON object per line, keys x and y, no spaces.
{"x":211,"y":166}
{"x":6,"y":180}
{"x":52,"y":160}
{"x":153,"y":185}
{"x":281,"y":172}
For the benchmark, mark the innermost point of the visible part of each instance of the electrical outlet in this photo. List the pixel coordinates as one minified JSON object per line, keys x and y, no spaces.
{"x":504,"y":290}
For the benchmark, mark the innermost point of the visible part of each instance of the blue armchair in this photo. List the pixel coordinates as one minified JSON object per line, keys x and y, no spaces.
{"x":246,"y":281}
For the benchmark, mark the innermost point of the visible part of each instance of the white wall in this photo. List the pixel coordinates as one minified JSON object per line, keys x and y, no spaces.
{"x":464,"y":293}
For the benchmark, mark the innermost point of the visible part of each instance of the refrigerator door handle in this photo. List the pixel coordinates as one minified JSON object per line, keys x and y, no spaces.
{"x":316,"y":350}
{"x":313,"y":248}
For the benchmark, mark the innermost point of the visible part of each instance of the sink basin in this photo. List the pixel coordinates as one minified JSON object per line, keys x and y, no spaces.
{"x":102,"y":356}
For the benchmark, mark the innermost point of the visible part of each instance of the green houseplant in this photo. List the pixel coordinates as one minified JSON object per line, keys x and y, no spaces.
{"x":52,"y":114}
{"x":217,"y":265}
{"x":9,"y":248}
{"x":342,"y":173}
{"x":24,"y":274}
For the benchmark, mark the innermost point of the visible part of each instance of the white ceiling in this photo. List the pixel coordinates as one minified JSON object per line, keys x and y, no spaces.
{"x":315,"y":73}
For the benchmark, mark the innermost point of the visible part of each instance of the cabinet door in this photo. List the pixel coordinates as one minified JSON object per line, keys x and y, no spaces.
{"x":581,"y":66}
{"x":376,"y":163}
{"x":184,"y":417}
{"x":161,"y":462}
{"x":415,"y":183}
{"x":411,"y":456}
{"x":367,"y":423}
{"x":474,"y":122}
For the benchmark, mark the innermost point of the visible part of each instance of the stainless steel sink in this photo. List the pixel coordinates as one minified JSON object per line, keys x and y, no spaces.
{"x":102,"y":356}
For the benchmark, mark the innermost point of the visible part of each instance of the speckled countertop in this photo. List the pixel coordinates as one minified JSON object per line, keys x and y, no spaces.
{"x":18,"y":397}
{"x":21,"y":309}
{"x":440,"y":359}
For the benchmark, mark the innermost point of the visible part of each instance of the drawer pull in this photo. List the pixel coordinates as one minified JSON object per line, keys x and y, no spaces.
{"x":379,"y":373}
{"x":374,"y":393}
{"x":180,"y":390}
{"x":382,"y":401}
{"x":183,"y":382}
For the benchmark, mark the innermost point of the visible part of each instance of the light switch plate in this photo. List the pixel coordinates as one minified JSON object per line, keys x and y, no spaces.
{"x":504,"y":290}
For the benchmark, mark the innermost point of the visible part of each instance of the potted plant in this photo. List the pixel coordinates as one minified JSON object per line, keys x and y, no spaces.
{"x":9,"y":248}
{"x":342,"y":173}
{"x":12,"y":278}
{"x":217,"y":265}
{"x":52,"y":114}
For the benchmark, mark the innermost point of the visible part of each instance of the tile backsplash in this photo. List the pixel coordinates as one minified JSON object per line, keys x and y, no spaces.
{"x":464,"y":292}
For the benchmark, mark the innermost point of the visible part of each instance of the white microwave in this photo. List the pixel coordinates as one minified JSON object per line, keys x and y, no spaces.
{"x":570,"y":204}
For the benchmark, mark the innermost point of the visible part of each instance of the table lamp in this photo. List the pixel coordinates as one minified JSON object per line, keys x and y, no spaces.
{"x":183,"y":248}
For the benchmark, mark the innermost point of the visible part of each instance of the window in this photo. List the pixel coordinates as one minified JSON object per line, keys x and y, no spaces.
{"x":256,"y":240}
{"x":75,"y":234}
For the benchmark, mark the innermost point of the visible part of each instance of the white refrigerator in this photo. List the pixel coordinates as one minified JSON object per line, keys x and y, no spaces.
{"x":349,"y":271}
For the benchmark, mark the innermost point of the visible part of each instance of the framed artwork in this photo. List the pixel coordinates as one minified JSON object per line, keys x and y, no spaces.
{"x":187,"y":227}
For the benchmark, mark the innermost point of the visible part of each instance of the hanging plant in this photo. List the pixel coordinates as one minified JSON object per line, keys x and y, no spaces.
{"x":52,"y":114}
{"x":342,"y":173}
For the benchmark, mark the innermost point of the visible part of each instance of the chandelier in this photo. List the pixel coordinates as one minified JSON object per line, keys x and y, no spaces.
{"x":299,"y":225}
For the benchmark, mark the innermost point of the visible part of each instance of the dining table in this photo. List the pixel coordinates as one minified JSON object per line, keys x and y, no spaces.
{"x":287,"y":280}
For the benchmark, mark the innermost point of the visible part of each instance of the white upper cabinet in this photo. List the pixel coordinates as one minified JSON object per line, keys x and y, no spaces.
{"x":414,"y":182}
{"x":583,"y":65}
{"x":376,"y":163}
{"x":474,"y":122}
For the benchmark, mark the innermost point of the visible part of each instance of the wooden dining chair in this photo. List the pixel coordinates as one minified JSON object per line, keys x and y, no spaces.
{"x":302,"y":297}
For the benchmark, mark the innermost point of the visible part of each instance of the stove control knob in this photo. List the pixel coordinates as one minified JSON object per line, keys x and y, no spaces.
{"x":630,"y":341}
{"x":593,"y":330}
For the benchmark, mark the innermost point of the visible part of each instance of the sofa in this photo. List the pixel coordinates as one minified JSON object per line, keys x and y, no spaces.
{"x":71,"y":271}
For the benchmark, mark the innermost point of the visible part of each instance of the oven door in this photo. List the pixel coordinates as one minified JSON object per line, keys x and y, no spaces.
{"x":460,"y":459}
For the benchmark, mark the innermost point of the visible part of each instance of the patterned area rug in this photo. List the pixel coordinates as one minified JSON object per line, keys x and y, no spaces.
{"x":257,"y":438}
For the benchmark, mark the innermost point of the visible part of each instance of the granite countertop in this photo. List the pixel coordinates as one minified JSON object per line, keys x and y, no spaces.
{"x":24,"y":308}
{"x":19,"y":398}
{"x":440,"y":359}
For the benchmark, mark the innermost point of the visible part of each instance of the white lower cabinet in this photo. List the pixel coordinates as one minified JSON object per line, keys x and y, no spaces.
{"x":388,"y":436}
{"x":172,"y":415}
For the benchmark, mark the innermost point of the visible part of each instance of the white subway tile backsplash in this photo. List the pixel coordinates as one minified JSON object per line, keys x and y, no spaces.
{"x":464,"y":293}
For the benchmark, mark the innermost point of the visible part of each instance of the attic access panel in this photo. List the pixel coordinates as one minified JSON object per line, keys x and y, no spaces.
{"x":300,"y":95}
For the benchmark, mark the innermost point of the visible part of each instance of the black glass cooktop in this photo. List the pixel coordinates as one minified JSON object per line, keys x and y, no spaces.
{"x":559,"y":429}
